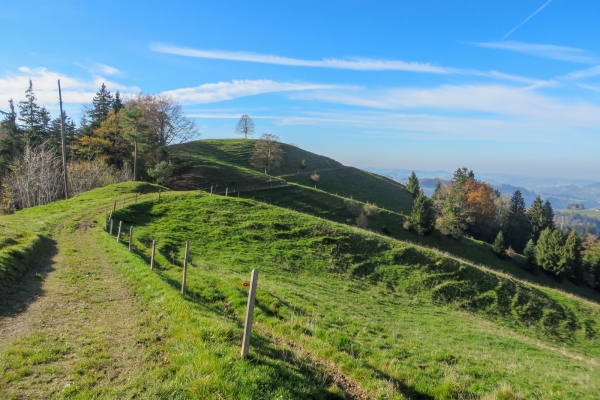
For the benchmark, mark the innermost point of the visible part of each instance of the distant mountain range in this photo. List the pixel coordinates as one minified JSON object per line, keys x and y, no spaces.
{"x":559,"y":191}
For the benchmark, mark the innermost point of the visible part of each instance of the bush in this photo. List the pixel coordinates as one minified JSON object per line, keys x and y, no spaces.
{"x":161,"y":172}
{"x":353,"y":207}
{"x":371,"y":209}
{"x":362,"y":221}
{"x":315,"y":177}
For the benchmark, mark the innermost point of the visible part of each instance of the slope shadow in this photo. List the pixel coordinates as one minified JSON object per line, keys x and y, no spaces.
{"x":28,"y":287}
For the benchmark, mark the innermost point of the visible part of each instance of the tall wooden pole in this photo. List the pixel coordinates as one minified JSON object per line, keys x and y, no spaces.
{"x":249,"y":313}
{"x":130,"y":236}
{"x":64,"y":142}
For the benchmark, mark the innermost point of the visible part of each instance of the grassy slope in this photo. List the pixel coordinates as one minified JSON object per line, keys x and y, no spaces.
{"x":17,"y":246}
{"x":225,"y":163}
{"x":327,"y":206}
{"x":335,"y":306}
{"x":330,"y":290}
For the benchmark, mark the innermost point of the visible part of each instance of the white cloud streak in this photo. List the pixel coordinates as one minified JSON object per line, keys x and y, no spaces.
{"x":358,"y":64}
{"x":527,"y":19}
{"x":496,"y":100}
{"x":215,"y":92}
{"x":550,"y":51}
{"x":582,"y":74}
{"x":74,"y":90}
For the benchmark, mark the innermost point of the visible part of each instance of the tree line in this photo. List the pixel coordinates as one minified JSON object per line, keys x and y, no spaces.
{"x":117,"y":139}
{"x":470,"y":207}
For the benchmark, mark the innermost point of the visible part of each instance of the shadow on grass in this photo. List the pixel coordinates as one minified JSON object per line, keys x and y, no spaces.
{"x":25,"y":289}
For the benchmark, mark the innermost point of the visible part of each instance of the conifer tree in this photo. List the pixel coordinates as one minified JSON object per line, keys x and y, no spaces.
{"x":549,"y":252}
{"x":101,"y":105}
{"x":529,"y":252}
{"x":461,"y":175}
{"x":572,"y":257}
{"x":30,"y":115}
{"x":117,"y":102}
{"x":136,"y":131}
{"x":548,"y":214}
{"x":518,"y":231}
{"x":499,"y":245}
{"x":535,"y":215}
{"x":413,"y":185}
{"x":11,"y":143}
{"x":423,"y":216}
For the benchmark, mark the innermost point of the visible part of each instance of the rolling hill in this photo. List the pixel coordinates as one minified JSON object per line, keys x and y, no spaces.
{"x":341,"y":312}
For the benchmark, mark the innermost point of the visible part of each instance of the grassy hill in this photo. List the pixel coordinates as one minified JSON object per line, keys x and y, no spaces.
{"x":341,"y":312}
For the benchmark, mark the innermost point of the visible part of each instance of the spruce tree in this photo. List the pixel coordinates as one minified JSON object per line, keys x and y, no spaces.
{"x":101,"y":105}
{"x":461,"y":175}
{"x":413,"y":185}
{"x":549,"y":252}
{"x":30,"y":115}
{"x":548,"y":214}
{"x":572,"y":257}
{"x":423,"y":216}
{"x":536,"y":218}
{"x":117,"y":103}
{"x":499,"y":245}
{"x":518,"y":231}
{"x":529,"y":252}
{"x":11,"y":143}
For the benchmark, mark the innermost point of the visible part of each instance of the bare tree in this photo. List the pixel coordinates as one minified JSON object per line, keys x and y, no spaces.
{"x":165,"y":118}
{"x":35,"y":178}
{"x":245,"y":126}
{"x":267,"y":152}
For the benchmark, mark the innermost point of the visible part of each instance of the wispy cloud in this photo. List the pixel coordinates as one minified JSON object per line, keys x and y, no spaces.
{"x":359,"y":64}
{"x":550,"y":51}
{"x":99,"y":68}
{"x":74,"y":90}
{"x":493,"y":100}
{"x":215,"y":92}
{"x":527,"y":19}
{"x":582,"y":74}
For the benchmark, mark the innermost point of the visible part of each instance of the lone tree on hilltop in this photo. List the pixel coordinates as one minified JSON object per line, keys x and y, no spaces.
{"x":245,"y":126}
{"x":267,"y":152}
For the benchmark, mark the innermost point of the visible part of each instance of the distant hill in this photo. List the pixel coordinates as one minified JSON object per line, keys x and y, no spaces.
{"x":224,"y":164}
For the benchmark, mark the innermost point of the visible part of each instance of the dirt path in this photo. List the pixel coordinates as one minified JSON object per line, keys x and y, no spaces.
{"x":71,"y":327}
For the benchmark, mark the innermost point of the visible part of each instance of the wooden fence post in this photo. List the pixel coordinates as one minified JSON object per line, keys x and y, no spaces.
{"x":123,"y":203}
{"x":159,"y":190}
{"x":152,"y":257}
{"x":211,"y":189}
{"x":130,"y":236}
{"x":119,"y":231}
{"x":111,"y":225}
{"x":226,"y":191}
{"x":115,"y":206}
{"x":249,"y":313}
{"x":185,"y":261}
{"x":136,"y":198}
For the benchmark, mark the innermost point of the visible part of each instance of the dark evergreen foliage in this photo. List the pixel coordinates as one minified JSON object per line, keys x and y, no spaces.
{"x":499,"y":245}
{"x":413,"y":185}
{"x":423,"y":216}
{"x":517,"y":230}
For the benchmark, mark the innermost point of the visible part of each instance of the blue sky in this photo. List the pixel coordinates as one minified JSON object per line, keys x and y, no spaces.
{"x":497,"y":86}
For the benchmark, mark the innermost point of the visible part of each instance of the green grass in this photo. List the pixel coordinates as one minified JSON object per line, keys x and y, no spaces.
{"x":394,"y":317}
{"x":360,"y":185}
{"x":225,"y":163}
{"x":17,"y":248}
{"x":588,"y":213}
{"x":331,"y":207}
